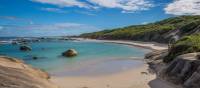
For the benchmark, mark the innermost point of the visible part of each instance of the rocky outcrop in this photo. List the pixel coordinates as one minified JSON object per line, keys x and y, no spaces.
{"x":184,"y":70}
{"x":15,"y":74}
{"x":25,"y":48}
{"x":155,"y":60}
{"x":70,"y":53}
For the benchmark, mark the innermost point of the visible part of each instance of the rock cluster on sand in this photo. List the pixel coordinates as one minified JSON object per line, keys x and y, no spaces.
{"x":184,"y":70}
{"x":16,"y":74}
{"x":25,"y":48}
{"x":70,"y":53}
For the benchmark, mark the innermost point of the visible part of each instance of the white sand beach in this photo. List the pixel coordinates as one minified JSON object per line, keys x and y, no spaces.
{"x":135,"y":78}
{"x":147,"y":45}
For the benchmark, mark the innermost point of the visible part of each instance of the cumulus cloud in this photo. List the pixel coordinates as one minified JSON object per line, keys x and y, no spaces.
{"x":57,"y":29}
{"x":126,"y":6}
{"x":183,"y":7}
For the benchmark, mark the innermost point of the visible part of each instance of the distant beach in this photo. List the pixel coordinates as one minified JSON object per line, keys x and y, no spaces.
{"x":147,"y":45}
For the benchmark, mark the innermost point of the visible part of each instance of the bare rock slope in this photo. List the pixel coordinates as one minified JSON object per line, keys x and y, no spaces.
{"x":184,"y":70}
{"x":15,"y":74}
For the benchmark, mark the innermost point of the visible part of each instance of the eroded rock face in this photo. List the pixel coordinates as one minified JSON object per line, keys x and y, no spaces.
{"x":155,"y":60}
{"x":70,"y":53}
{"x":15,"y":74}
{"x":185,"y":70}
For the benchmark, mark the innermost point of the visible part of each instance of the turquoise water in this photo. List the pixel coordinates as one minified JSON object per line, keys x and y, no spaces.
{"x":90,"y":54}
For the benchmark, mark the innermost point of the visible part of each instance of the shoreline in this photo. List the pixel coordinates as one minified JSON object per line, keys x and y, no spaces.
{"x":147,"y":45}
{"x":139,"y":77}
{"x":133,"y":78}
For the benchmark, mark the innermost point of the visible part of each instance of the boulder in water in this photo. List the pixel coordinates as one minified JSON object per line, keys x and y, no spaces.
{"x":70,"y":53}
{"x":25,"y":48}
{"x":35,"y":58}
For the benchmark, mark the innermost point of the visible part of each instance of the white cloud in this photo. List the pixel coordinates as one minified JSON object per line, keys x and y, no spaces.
{"x":84,"y":12}
{"x":183,"y":7}
{"x":126,"y":6}
{"x":144,"y":23}
{"x":16,"y":19}
{"x":57,"y":10}
{"x":64,"y":3}
{"x":57,"y":29}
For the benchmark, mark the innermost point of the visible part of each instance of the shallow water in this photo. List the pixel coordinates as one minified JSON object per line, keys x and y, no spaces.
{"x":93,"y":57}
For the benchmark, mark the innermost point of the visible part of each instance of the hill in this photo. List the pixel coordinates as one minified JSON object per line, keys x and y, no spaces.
{"x":165,"y":31}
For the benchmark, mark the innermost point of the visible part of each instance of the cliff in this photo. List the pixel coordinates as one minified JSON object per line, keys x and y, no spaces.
{"x":15,"y":74}
{"x":183,"y":71}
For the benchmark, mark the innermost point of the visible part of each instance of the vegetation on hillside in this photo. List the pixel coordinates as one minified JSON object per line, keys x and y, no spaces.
{"x":151,"y":32}
{"x":187,"y":44}
{"x":183,"y":32}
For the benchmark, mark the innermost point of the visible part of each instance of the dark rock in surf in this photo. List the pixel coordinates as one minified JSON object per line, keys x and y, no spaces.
{"x":35,"y":58}
{"x":70,"y":53}
{"x":25,"y":48}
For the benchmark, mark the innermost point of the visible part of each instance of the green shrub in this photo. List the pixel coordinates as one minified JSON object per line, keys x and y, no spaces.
{"x":186,"y":23}
{"x":188,"y":44}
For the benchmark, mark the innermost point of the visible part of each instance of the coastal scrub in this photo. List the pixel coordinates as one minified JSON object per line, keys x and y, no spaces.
{"x":188,"y":44}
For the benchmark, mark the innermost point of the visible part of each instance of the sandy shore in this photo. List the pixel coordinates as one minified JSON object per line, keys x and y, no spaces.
{"x":147,"y":45}
{"x":128,"y":79}
{"x":133,"y":78}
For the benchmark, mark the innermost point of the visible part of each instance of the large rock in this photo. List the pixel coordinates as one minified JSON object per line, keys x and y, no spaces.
{"x":155,"y":60}
{"x":25,"y":48}
{"x":15,"y":74}
{"x":184,"y":70}
{"x":70,"y":53}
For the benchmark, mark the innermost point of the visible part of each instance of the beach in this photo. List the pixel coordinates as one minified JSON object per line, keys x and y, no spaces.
{"x":135,"y":78}
{"x":139,"y":77}
{"x":146,"y":45}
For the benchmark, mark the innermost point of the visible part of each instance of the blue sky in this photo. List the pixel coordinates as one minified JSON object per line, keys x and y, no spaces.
{"x":72,"y":17}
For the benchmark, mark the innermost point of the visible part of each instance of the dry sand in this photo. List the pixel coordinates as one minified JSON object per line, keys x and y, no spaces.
{"x":148,"y":45}
{"x":128,"y":79}
{"x":135,"y":78}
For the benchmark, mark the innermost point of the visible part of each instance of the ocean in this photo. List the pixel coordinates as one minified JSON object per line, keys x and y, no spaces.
{"x":93,"y":58}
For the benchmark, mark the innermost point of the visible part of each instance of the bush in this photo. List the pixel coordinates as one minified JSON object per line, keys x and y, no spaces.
{"x":185,"y":23}
{"x":188,"y":44}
